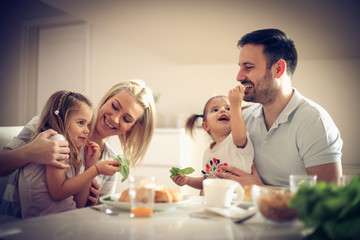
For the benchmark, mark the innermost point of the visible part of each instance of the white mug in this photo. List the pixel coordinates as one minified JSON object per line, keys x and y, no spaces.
{"x":219,"y":192}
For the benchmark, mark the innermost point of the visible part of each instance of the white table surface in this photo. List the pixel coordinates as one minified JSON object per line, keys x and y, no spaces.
{"x":87,"y":223}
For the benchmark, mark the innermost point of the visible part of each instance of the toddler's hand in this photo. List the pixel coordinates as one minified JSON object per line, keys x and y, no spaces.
{"x":180,"y":180}
{"x":236,"y":95}
{"x":92,"y":153}
{"x":108,"y":167}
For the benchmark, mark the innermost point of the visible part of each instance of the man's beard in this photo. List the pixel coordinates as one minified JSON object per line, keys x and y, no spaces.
{"x":265,"y":91}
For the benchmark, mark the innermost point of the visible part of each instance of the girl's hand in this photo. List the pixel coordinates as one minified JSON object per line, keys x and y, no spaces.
{"x":236,"y":95}
{"x":92,"y":153}
{"x":180,"y":180}
{"x":108,"y":167}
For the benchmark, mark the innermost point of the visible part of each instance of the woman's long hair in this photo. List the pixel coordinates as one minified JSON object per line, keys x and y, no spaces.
{"x":135,"y":142}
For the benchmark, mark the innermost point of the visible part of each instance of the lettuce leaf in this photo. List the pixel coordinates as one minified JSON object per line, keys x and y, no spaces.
{"x":331,"y":211}
{"x":124,"y":166}
{"x":175,"y":171}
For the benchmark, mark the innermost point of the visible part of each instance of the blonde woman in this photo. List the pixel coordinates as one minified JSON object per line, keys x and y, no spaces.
{"x":126,"y":110}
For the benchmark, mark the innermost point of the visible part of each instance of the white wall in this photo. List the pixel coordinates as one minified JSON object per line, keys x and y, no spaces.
{"x":185,"y":88}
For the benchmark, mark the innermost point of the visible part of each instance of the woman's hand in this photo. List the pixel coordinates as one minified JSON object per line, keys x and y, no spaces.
{"x":108,"y":167}
{"x":92,"y":153}
{"x":94,"y":193}
{"x":242,"y":177}
{"x":45,"y":151}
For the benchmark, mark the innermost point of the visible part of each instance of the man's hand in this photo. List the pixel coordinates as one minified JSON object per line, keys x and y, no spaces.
{"x":240,"y":176}
{"x":44,"y":151}
{"x":94,"y":193}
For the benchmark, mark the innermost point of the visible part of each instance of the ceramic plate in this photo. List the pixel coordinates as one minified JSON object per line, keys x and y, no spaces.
{"x":232,"y":212}
{"x":113,"y":201}
{"x":245,"y":204}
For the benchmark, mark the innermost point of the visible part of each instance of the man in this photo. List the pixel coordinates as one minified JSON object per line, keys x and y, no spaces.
{"x":290,"y":134}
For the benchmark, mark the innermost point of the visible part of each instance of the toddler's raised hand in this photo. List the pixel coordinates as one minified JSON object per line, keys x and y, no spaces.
{"x":236,"y":95}
{"x":92,"y":153}
{"x":108,"y":167}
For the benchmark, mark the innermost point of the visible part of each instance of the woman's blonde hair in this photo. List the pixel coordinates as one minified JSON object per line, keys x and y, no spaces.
{"x":135,"y":142}
{"x":56,"y":115}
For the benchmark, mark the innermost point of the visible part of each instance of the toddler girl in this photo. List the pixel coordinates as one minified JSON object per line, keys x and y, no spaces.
{"x":222,"y":119}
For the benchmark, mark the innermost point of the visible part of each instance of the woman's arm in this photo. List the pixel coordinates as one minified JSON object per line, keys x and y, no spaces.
{"x":81,"y":197}
{"x":41,"y":150}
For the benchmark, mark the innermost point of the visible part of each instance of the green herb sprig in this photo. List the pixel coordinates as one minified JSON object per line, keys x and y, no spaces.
{"x":124,"y":166}
{"x":175,"y":171}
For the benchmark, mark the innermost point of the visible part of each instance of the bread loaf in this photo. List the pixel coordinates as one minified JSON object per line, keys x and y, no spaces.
{"x":162,"y":195}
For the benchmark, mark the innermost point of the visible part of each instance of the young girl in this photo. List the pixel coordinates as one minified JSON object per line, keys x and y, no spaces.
{"x":46,"y":189}
{"x":231,"y":145}
{"x":126,"y":110}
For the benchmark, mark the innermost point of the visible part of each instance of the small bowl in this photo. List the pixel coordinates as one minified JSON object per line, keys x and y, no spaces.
{"x":271,"y":203}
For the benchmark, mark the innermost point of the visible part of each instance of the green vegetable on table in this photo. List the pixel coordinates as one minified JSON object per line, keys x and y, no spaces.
{"x":330,"y":211}
{"x":124,"y":166}
{"x":175,"y":171}
{"x":108,"y":199}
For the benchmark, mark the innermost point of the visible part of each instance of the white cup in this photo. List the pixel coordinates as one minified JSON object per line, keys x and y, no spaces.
{"x":220,"y":192}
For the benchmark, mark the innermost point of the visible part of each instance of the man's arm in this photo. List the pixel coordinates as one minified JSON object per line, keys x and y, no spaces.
{"x":40,"y":150}
{"x":330,"y":172}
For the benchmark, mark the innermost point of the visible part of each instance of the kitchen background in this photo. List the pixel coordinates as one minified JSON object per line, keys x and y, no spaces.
{"x":184,"y":50}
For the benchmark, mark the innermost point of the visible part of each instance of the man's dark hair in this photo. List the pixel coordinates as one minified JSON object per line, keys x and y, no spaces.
{"x":276,"y":46}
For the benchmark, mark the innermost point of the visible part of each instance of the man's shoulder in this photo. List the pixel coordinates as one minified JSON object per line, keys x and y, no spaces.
{"x":250,"y":109}
{"x":308,"y":108}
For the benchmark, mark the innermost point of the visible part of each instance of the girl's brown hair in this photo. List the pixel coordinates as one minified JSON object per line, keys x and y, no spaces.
{"x":191,"y":121}
{"x":56,"y":114}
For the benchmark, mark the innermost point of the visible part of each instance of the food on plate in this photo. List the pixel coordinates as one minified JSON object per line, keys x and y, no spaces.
{"x":124,"y":197}
{"x":124,"y":166}
{"x":177,"y":195}
{"x":162,"y":195}
{"x":175,"y":171}
{"x":248,"y":194}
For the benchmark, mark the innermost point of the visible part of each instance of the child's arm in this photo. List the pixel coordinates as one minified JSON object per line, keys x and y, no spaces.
{"x":190,"y":181}
{"x":61,"y":188}
{"x":238,"y":128}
